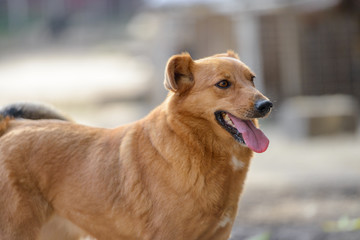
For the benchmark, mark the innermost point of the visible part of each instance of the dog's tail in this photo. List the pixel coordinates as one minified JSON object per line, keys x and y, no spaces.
{"x":32,"y":111}
{"x":28,"y":111}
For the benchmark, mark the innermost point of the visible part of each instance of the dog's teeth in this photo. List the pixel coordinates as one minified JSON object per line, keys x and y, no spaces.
{"x":228,"y":120}
{"x":231,"y":124}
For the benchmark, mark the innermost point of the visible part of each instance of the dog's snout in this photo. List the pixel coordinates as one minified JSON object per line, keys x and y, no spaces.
{"x":263,"y":106}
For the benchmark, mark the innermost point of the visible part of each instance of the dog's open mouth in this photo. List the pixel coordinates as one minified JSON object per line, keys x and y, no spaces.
{"x":244,"y":131}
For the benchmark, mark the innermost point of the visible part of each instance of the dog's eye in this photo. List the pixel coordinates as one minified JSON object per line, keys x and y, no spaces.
{"x":223,"y":84}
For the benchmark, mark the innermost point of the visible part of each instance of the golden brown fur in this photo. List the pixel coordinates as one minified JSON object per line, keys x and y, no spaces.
{"x":168,"y":176}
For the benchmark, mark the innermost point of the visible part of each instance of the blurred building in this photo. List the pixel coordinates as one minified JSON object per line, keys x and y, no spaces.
{"x":312,"y":52}
{"x":296,"y":47}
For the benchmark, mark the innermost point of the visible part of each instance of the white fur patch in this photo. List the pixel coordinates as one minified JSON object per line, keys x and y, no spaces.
{"x":237,"y":164}
{"x":224,"y":221}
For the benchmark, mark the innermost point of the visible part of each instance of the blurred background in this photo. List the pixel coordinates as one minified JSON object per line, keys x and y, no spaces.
{"x":102,"y":62}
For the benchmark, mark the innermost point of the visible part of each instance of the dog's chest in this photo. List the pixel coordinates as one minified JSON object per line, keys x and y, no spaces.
{"x":219,"y":201}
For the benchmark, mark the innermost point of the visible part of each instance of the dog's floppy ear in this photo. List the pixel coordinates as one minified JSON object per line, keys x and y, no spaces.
{"x":178,"y":75}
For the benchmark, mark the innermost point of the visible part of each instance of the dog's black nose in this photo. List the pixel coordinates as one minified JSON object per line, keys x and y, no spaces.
{"x":263,"y":106}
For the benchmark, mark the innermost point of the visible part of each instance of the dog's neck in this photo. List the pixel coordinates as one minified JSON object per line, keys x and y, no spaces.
{"x":195,"y":133}
{"x":195,"y":155}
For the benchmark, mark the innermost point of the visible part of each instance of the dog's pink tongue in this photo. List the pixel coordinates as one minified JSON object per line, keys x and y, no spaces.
{"x":254,"y":138}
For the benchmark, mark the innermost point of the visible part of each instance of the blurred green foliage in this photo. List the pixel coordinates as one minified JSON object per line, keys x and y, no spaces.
{"x":261,"y":236}
{"x":344,"y":224}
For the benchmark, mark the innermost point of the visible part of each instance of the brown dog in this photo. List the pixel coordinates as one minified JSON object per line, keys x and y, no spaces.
{"x":176,"y":174}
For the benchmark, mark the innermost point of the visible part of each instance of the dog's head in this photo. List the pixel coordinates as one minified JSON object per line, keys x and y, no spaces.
{"x":219,"y":89}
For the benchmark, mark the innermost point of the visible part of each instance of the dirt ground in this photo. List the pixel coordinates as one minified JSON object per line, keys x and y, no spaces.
{"x":303,"y":213}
